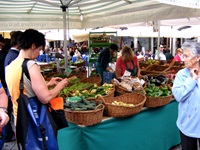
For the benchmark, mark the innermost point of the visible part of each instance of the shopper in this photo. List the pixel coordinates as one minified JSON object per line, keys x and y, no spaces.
{"x":159,"y":54}
{"x":104,"y":58}
{"x":12,"y":54}
{"x":186,"y":91}
{"x":179,"y":55}
{"x":4,"y":118}
{"x":129,"y":62}
{"x":168,"y":55}
{"x":31,"y":42}
{"x":3,"y":107}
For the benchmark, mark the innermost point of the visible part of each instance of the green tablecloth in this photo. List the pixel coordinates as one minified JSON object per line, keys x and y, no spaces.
{"x":151,"y":129}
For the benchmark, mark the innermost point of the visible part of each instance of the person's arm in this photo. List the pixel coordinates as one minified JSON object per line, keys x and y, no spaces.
{"x":118,"y":71}
{"x":3,"y":107}
{"x":183,"y":86}
{"x":40,"y":88}
{"x":138,"y":67}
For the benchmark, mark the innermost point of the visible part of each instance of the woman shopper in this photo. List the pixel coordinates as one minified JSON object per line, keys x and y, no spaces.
{"x":129,"y":62}
{"x":179,"y":55}
{"x":31,"y":42}
{"x":186,"y":90}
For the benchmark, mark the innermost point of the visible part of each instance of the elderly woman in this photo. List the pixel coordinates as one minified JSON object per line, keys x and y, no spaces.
{"x":127,"y":61}
{"x":186,"y":90}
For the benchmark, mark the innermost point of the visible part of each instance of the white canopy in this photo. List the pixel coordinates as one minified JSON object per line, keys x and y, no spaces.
{"x":47,"y":14}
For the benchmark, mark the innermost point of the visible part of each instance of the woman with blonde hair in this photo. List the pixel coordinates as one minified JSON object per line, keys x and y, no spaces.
{"x":128,"y":61}
{"x":178,"y":56}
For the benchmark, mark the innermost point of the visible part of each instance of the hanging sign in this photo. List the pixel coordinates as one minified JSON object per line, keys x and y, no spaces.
{"x":183,"y":3}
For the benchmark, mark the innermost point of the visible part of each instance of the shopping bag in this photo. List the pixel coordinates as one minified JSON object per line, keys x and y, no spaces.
{"x":35,"y":128}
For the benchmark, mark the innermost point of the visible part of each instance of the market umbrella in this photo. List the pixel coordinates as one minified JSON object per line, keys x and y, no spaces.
{"x":64,"y":6}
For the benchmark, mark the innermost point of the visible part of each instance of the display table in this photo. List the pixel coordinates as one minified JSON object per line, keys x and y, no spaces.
{"x":151,"y":129}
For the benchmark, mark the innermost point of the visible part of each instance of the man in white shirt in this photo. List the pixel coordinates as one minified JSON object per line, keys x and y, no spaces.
{"x":159,"y":54}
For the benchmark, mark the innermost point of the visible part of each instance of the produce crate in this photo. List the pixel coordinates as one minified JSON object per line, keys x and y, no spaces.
{"x":108,"y":76}
{"x":112,"y":110}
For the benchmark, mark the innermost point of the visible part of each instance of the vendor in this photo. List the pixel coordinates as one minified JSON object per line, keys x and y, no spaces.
{"x":129,"y":62}
{"x":104,"y":58}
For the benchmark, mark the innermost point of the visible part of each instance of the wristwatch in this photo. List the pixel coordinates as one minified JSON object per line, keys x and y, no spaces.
{"x":4,"y":109}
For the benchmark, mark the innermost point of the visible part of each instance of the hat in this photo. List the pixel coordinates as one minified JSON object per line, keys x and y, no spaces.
{"x":114,"y":47}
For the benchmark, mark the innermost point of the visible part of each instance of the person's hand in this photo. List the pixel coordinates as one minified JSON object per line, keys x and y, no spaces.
{"x":194,"y":73}
{"x":54,"y":81}
{"x":63,"y":82}
{"x":4,"y":118}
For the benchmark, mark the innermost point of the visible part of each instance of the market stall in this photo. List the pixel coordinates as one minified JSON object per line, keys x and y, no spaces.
{"x":151,"y":129}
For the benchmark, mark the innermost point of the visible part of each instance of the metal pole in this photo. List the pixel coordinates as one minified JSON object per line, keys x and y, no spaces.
{"x":158,"y":35}
{"x":65,"y":40}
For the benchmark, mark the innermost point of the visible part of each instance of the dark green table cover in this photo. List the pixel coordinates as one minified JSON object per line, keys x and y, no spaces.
{"x":151,"y":129}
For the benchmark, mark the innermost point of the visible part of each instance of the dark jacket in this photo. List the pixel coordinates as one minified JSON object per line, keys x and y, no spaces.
{"x":12,"y":55}
{"x":104,"y":58}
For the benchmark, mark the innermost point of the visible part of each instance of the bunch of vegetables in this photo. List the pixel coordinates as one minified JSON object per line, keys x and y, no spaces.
{"x":119,"y":103}
{"x":155,"y":91}
{"x":75,"y":87}
{"x":78,"y":62}
{"x":81,"y":105}
{"x":157,"y":80}
{"x":94,"y":91}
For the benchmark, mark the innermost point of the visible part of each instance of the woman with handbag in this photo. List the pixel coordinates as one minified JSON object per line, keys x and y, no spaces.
{"x":34,"y":85}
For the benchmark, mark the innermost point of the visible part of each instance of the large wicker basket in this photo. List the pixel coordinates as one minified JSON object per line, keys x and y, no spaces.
{"x":157,"y":101}
{"x":123,"y":111}
{"x":121,"y":90}
{"x":86,"y":118}
{"x":93,"y":79}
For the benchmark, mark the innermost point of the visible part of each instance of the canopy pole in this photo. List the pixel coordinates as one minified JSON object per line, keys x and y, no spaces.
{"x":158,"y":35}
{"x":64,"y":33}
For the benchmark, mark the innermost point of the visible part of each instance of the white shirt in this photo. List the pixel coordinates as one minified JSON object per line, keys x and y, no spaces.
{"x":160,"y":56}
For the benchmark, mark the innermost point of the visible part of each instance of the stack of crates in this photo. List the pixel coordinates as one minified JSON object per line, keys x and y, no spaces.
{"x":108,"y":76}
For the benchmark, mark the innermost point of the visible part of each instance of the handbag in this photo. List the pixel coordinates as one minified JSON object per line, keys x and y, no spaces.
{"x":35,"y":128}
{"x":56,"y":108}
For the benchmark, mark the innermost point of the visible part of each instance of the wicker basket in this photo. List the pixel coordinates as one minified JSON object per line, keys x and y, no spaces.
{"x":179,"y":63}
{"x":157,"y":68}
{"x":144,"y":66}
{"x":86,"y":118}
{"x":121,"y":90}
{"x":123,"y":111}
{"x":80,"y":64}
{"x":157,"y":101}
{"x":93,"y":79}
{"x":80,"y":75}
{"x":174,"y":69}
{"x":110,"y":94}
